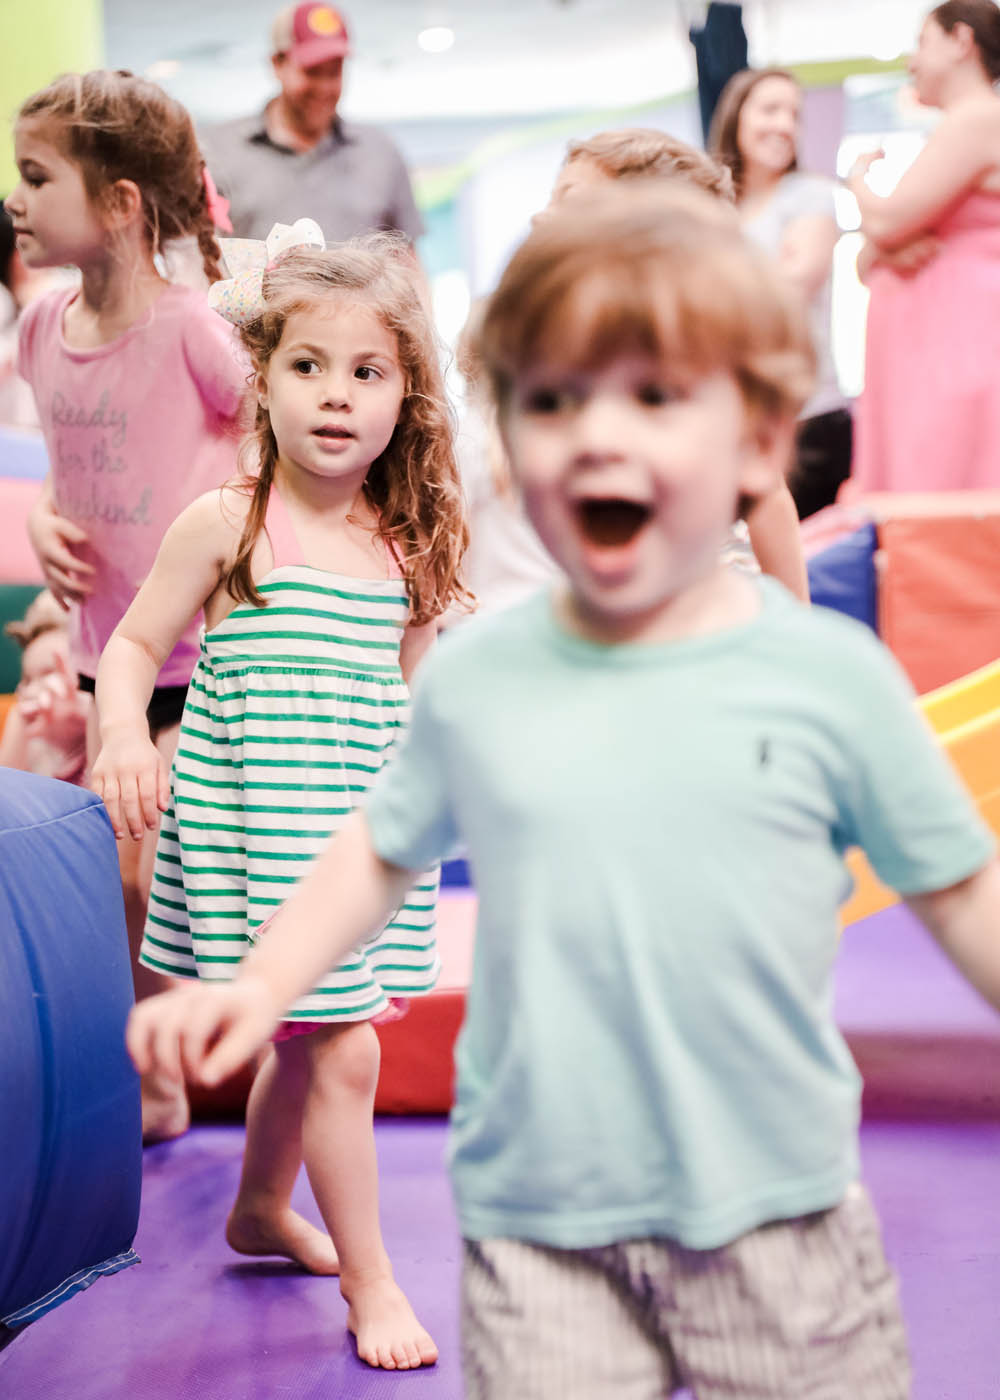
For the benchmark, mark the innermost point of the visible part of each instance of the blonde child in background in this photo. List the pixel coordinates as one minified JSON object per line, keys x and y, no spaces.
{"x":137,"y":385}
{"x":654,"y":1141}
{"x":46,"y":730}
{"x":321,"y":578}
{"x":506,"y":562}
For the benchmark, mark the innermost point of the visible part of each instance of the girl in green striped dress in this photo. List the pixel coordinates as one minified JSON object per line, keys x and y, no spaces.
{"x":321,"y":577}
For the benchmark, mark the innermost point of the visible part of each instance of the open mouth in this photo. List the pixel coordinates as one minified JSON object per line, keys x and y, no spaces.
{"x":333,"y":434}
{"x":611,"y":521}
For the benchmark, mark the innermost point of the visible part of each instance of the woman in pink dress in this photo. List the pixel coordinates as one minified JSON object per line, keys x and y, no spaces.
{"x":929,"y":417}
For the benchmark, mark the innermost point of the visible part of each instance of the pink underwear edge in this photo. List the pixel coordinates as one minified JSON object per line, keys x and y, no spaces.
{"x":288,"y":1030}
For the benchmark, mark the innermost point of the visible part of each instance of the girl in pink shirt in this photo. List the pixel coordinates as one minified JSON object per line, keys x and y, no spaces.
{"x":137,"y":382}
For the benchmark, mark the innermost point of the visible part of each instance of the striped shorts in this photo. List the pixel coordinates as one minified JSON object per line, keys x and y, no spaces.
{"x":802,"y":1309}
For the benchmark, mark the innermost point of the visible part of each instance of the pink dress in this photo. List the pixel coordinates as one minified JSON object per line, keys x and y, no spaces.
{"x":929,"y":417}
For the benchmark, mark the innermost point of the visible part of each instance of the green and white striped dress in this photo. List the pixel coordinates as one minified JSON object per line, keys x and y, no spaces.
{"x":293,"y":709}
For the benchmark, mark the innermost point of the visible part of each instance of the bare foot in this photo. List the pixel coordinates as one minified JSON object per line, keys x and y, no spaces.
{"x":385,"y":1326}
{"x":165,"y":1110}
{"x":287,"y":1234}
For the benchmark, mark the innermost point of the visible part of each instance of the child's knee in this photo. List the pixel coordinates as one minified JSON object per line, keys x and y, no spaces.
{"x":349,"y":1055}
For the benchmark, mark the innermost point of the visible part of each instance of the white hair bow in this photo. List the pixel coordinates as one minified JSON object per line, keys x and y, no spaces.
{"x":240,"y":296}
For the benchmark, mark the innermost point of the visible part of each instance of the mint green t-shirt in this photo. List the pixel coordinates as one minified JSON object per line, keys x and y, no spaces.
{"x":656,"y":834}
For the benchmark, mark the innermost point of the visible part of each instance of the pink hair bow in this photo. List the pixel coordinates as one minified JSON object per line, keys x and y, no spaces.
{"x":218,"y":208}
{"x":240,"y":296}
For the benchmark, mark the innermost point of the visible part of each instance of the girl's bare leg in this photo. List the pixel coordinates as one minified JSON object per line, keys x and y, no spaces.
{"x":338,"y":1144}
{"x":262,"y":1220}
{"x":165,"y":1111}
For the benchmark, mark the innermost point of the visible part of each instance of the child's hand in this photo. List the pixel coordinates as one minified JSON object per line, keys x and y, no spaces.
{"x":204,"y":1032}
{"x":52,"y":537}
{"x":52,"y":707}
{"x":132,"y":779}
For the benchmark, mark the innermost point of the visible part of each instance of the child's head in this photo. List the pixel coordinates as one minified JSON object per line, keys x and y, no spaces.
{"x":358,"y":302}
{"x":98,"y":151}
{"x":648,"y":366}
{"x":43,"y":638}
{"x":637,"y":153}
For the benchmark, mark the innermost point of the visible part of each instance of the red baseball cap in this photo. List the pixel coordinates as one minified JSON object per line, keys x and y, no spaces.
{"x":310,"y":34}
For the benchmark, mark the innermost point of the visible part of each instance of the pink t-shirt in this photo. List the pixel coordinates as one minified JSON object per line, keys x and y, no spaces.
{"x":135,"y":430}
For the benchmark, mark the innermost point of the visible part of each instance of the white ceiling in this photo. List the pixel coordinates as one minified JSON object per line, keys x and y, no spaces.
{"x":513,"y":56}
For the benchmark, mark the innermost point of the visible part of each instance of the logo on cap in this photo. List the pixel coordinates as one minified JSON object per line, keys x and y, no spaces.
{"x":323,"y":21}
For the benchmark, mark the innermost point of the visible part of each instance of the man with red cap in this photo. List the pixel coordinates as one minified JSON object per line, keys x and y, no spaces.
{"x":298,"y":157}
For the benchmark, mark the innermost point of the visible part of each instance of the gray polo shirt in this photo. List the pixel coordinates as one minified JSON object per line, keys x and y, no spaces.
{"x":352,"y":182}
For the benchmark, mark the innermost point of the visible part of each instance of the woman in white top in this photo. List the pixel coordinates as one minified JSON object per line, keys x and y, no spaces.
{"x":755,"y":134}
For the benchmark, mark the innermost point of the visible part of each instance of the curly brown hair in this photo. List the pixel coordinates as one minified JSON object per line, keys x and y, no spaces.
{"x":116,"y":126}
{"x":413,"y":486}
{"x":642,"y":151}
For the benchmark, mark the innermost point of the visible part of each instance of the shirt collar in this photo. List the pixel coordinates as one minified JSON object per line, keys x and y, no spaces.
{"x":258,"y":135}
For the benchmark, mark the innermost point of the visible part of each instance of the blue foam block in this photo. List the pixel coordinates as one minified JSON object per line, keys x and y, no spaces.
{"x":842,"y":576}
{"x":70,"y":1119}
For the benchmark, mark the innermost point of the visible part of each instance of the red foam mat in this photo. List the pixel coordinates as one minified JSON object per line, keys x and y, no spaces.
{"x":416,"y":1075}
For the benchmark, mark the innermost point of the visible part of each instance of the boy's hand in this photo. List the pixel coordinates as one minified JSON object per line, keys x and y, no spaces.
{"x":205,"y":1032}
{"x":131,"y":778}
{"x":52,"y":537}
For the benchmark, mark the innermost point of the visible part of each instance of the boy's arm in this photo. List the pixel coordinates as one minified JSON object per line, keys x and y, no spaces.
{"x":965,"y":920}
{"x":773,"y":526}
{"x":209,"y":1031}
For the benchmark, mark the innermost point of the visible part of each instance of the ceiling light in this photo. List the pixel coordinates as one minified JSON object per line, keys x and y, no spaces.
{"x":437,"y":39}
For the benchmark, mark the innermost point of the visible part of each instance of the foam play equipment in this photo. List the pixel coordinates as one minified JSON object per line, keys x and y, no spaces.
{"x":70,"y":1119}
{"x":22,"y":453}
{"x":842,"y":575}
{"x":921,"y":570}
{"x":18,"y":563}
{"x":938,"y":582}
{"x":417,"y":1070}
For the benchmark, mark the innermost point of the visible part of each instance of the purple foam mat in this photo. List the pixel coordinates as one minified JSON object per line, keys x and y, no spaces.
{"x":202,"y":1323}
{"x":927,"y":1045}
{"x":196,"y":1321}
